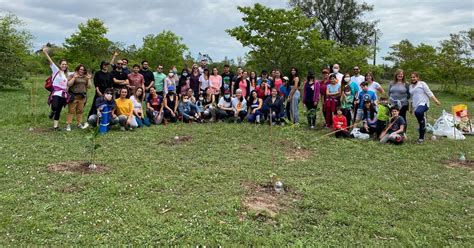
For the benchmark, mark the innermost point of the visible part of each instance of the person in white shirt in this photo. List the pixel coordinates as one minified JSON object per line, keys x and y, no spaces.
{"x":336,"y":70}
{"x":357,"y":77}
{"x":420,"y":102}
{"x":373,"y":86}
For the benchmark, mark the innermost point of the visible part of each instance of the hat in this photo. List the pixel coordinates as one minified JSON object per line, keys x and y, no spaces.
{"x":285,"y":78}
{"x":325,"y":70}
{"x":171,"y":88}
{"x":227,"y":91}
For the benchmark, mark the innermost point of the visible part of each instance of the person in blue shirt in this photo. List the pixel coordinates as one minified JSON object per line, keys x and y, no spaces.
{"x":188,"y":110}
{"x":364,"y":95}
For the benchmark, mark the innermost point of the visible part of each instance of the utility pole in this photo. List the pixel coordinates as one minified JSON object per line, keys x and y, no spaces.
{"x":375,"y":47}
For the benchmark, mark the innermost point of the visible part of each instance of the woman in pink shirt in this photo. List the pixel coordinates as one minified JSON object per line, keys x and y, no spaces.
{"x":215,"y":82}
{"x":244,"y":85}
{"x":278,"y":82}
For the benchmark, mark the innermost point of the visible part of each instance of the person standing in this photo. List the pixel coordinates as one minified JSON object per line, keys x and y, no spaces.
{"x":159,"y":78}
{"x":357,"y":77}
{"x":420,"y":102}
{"x":59,"y":94}
{"x":373,"y":86}
{"x":194,"y":81}
{"x":336,"y":70}
{"x":399,"y":94}
{"x":77,"y":85}
{"x":119,"y":78}
{"x":204,"y":81}
{"x":227,"y":78}
{"x":215,"y":83}
{"x":147,"y":76}
{"x":294,"y":97}
{"x":333,"y":94}
{"x":311,"y":99}
{"x":136,"y":80}
{"x":102,"y":82}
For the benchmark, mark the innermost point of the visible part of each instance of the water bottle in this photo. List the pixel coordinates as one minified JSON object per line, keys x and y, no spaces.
{"x":278,"y":186}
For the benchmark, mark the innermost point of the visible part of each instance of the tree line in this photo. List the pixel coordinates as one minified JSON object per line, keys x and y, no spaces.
{"x":310,"y":35}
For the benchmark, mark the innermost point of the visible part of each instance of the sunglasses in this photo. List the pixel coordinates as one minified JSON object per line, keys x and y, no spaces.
{"x":119,"y":64}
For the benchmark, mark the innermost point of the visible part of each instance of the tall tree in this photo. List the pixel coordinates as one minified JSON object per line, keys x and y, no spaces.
{"x":164,"y":48}
{"x":89,"y":45}
{"x":276,"y":37}
{"x":14,"y":45}
{"x":341,"y":20}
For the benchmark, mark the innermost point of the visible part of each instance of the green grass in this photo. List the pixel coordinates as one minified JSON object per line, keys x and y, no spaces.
{"x":351,"y":192}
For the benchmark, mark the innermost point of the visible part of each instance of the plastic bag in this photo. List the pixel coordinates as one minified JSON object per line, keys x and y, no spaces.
{"x":358,"y":135}
{"x":445,"y":126}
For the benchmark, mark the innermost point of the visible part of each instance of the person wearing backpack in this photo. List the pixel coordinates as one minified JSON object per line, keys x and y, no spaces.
{"x":59,"y":95}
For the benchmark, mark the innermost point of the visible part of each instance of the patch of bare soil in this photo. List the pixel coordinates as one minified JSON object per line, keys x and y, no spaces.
{"x":264,"y":203}
{"x":81,"y":167}
{"x":177,"y":140}
{"x":295,"y":153}
{"x":468,"y":164}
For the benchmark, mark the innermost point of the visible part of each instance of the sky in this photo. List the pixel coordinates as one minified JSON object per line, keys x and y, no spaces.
{"x":202,"y":23}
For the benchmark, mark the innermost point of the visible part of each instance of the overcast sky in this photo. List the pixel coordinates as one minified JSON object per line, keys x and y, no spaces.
{"x":202,"y":23}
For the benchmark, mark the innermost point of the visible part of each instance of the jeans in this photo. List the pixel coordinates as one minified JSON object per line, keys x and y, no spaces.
{"x":294,"y":107}
{"x":92,"y":120}
{"x":420,"y":117}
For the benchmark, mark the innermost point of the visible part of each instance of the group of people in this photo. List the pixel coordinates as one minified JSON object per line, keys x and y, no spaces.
{"x":141,"y":97}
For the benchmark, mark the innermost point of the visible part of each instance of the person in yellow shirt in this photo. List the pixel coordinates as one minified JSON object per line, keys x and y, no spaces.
{"x":124,"y":111}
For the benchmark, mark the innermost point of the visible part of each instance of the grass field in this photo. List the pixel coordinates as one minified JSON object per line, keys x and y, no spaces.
{"x":155,"y":191}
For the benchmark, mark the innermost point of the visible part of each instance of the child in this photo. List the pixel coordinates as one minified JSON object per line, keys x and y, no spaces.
{"x":339,"y":124}
{"x":105,"y":112}
{"x":396,"y":128}
{"x":200,"y":105}
{"x":369,"y":117}
{"x":364,"y":94}
{"x":347,"y":101}
{"x":383,"y":114}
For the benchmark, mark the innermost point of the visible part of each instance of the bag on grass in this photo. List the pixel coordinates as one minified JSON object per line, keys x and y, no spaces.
{"x":445,"y":126}
{"x":358,"y":135}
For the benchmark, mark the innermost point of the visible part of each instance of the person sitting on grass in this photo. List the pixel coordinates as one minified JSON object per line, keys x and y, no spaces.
{"x":274,"y":108}
{"x":224,"y":107}
{"x":239,"y":105}
{"x":137,"y":106}
{"x":209,"y":105}
{"x":188,"y":110}
{"x":339,"y":123}
{"x":370,"y":118}
{"x":396,"y":128}
{"x":124,"y":111}
{"x":105,"y":106}
{"x":255,"y":108}
{"x":154,"y":107}
{"x":171,"y":103}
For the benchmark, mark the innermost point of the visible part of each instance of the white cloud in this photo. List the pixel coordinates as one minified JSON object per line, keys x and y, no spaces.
{"x":202,"y":23}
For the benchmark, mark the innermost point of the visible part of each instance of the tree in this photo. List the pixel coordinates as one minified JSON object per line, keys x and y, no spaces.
{"x":422,"y":58}
{"x":89,"y":45}
{"x":340,"y":20}
{"x":165,"y":48}
{"x":455,"y":57}
{"x":276,"y":37}
{"x":14,"y":45}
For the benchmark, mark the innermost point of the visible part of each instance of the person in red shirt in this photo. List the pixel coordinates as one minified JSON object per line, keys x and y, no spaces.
{"x":136,"y":79}
{"x":339,"y":123}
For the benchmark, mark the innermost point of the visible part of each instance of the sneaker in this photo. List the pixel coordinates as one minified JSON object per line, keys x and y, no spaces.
{"x":212,"y":120}
{"x":311,"y":127}
{"x":56,"y":129}
{"x":122,"y":128}
{"x":68,"y":128}
{"x":420,"y":141}
{"x":83,"y":126}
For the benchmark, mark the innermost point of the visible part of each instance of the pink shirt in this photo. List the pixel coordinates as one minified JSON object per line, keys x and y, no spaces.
{"x":215,"y":82}
{"x":136,"y":80}
{"x":243,"y":87}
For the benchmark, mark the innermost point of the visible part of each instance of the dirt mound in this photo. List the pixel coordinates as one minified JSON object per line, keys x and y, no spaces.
{"x":81,"y":167}
{"x":264,"y":204}
{"x":294,"y":152}
{"x":177,"y":140}
{"x":468,"y":164}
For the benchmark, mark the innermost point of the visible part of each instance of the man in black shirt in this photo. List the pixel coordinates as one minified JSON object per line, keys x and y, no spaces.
{"x":227,"y":78}
{"x":102,"y":81}
{"x":147,"y":75}
{"x":119,"y":78}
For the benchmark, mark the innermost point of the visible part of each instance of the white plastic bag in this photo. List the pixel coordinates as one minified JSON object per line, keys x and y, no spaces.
{"x":445,"y":126}
{"x":358,"y":135}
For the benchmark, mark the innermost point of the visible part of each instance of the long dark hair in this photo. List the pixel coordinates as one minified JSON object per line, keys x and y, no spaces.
{"x":251,"y":99}
{"x":291,"y":74}
{"x":371,"y":108}
{"x":310,"y":76}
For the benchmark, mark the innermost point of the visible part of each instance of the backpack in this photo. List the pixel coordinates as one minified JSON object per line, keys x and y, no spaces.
{"x":48,"y":83}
